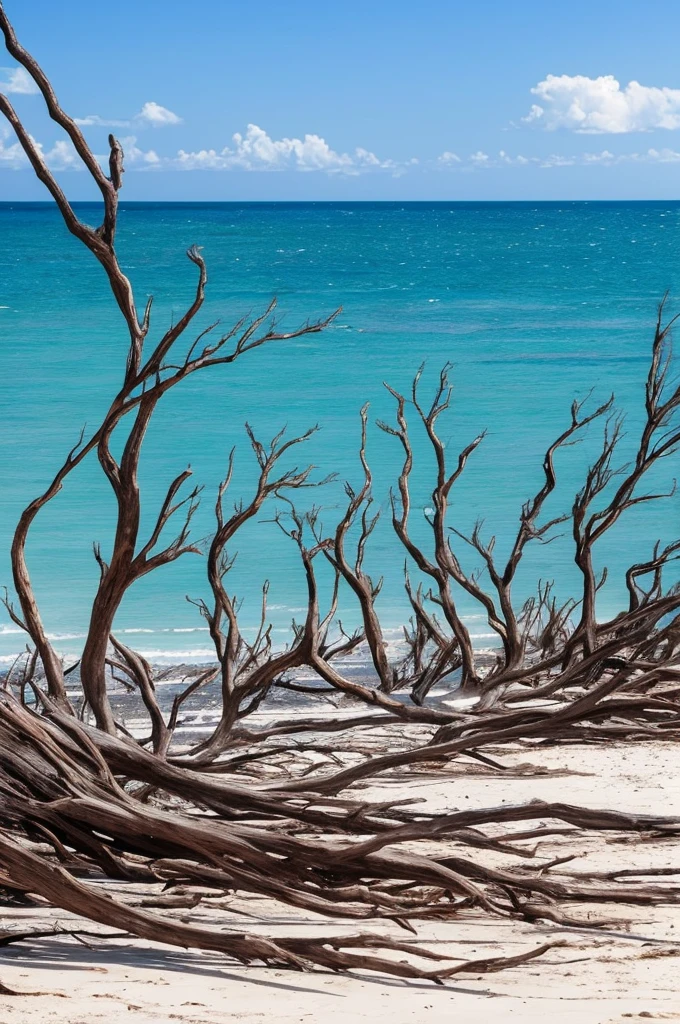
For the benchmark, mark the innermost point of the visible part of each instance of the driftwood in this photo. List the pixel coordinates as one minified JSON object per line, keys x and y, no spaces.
{"x":60,"y":790}
{"x":244,"y":811}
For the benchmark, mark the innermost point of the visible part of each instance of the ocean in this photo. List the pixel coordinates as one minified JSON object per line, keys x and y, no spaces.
{"x":534,"y":304}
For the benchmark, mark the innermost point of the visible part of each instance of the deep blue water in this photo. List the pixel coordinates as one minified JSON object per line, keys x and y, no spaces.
{"x":533,"y":303}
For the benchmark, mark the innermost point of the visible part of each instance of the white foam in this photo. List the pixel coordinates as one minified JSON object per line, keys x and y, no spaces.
{"x":158,"y":654}
{"x":186,"y":629}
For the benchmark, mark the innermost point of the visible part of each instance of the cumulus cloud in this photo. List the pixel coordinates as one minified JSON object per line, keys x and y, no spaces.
{"x":135,"y":155}
{"x":12,"y":156}
{"x":156,"y":115}
{"x":449,"y":158}
{"x":535,"y":113}
{"x":257,"y":151}
{"x":18,"y":81}
{"x":367,"y":158}
{"x":254,"y":150}
{"x":481,"y":160}
{"x":518,"y":161}
{"x":605,"y":157}
{"x":151,"y":115}
{"x":309,"y":154}
{"x":61,"y":156}
{"x":597,"y":106}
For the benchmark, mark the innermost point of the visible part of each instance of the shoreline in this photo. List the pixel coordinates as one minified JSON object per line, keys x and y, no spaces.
{"x":167,"y":657}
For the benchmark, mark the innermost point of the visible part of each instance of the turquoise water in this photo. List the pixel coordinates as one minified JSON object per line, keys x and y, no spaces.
{"x":534,"y":304}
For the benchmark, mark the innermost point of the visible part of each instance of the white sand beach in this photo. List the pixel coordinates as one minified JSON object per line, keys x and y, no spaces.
{"x":596,"y":977}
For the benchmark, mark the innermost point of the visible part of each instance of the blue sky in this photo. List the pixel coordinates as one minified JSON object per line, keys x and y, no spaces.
{"x":358,"y":100}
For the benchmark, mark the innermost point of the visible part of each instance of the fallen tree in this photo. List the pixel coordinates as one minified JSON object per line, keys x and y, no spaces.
{"x":60,"y":789}
{"x":79,"y":800}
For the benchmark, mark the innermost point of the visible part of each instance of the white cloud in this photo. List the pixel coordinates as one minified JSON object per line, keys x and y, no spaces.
{"x":151,"y":115}
{"x":12,"y":157}
{"x":135,"y":155}
{"x":156,"y":115}
{"x":482,"y":160}
{"x":659,"y":156}
{"x":535,"y":113}
{"x":607,"y":159}
{"x":257,"y":151}
{"x":310,"y":153}
{"x":18,"y":81}
{"x":554,"y":160}
{"x":518,"y":161}
{"x":598,"y":106}
{"x":367,"y":158}
{"x":604,"y":158}
{"x":100,"y":122}
{"x":61,"y":157}
{"x":201,"y":159}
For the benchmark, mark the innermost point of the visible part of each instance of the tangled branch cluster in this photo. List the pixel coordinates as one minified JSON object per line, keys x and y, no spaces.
{"x":80,"y":800}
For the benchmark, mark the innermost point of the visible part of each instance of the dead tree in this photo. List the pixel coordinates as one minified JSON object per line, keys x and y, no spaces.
{"x":534,"y":640}
{"x":59,"y":792}
{"x":363,"y":587}
{"x":660,"y":438}
{"x":248,"y":669}
{"x":81,"y":802}
{"x":541,"y":626}
{"x":147,"y":378}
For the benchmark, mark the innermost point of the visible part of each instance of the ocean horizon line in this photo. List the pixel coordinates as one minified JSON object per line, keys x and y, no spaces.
{"x":210,"y":203}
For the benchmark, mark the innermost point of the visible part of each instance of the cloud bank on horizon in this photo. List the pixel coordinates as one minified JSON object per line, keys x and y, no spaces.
{"x":256,"y":150}
{"x":574,"y":103}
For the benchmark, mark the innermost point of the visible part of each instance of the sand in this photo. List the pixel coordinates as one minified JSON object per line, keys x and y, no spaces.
{"x":594,"y":978}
